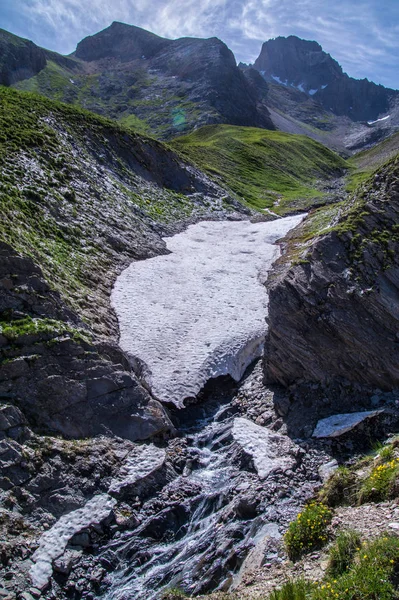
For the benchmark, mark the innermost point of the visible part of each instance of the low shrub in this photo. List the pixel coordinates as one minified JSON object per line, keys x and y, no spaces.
{"x":342,"y":552}
{"x":309,"y":530}
{"x":340,"y":489}
{"x":372,"y":575}
{"x":381,"y":483}
{"x":293,"y":590}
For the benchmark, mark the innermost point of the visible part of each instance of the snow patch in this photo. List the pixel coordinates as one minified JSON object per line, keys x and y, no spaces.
{"x":53,"y":543}
{"x":199,"y":312}
{"x":312,"y":92}
{"x":276,"y":78}
{"x":378,"y":120}
{"x":141,"y":462}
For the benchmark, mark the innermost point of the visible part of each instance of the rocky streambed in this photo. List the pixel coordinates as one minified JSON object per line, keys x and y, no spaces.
{"x":107,"y":517}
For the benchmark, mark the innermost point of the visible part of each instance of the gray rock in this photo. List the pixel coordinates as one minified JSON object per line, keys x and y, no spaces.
{"x":269,"y":451}
{"x":337,"y":425}
{"x":327,"y":470}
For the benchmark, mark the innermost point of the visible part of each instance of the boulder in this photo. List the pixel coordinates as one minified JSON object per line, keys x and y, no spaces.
{"x":269,"y":450}
{"x":337,"y":425}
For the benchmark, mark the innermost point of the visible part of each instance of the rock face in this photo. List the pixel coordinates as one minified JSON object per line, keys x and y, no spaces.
{"x":335,"y":316}
{"x":199,"y":71}
{"x":53,"y":370}
{"x":19,"y":58}
{"x":304,"y":65}
{"x":124,"y":42}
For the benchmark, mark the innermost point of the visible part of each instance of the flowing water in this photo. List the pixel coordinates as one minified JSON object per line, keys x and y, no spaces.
{"x":204,"y":304}
{"x":183,"y":560}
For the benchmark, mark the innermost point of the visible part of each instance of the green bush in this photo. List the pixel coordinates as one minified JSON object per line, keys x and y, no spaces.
{"x":372,"y":575}
{"x":340,"y":489}
{"x":309,"y":530}
{"x":381,"y":483}
{"x":293,"y":590}
{"x":342,"y":552}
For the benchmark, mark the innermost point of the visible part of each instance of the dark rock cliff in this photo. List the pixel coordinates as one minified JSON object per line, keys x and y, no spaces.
{"x":335,"y":315}
{"x":196,"y":78}
{"x":304,"y":64}
{"x":19,"y":58}
{"x":121,"y":41}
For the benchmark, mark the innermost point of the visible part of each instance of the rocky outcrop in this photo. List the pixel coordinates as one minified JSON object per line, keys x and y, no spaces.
{"x":52,"y":369}
{"x":19,"y":58}
{"x":201,"y":73}
{"x":305,"y":66}
{"x":334,"y":316}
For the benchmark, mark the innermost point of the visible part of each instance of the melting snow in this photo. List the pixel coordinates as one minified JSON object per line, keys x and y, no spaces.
{"x":378,"y":120}
{"x":199,"y":312}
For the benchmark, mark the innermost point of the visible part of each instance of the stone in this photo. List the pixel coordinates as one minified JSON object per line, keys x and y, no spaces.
{"x":269,"y":451}
{"x":138,"y":470}
{"x":337,"y":425}
{"x":327,"y":470}
{"x":10,"y":416}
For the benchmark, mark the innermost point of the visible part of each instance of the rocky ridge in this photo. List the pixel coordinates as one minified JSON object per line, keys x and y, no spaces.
{"x":346,"y":278}
{"x":304,"y":65}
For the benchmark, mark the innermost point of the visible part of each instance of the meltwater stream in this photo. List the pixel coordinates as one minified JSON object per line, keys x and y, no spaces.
{"x":186,"y":554}
{"x":192,"y":315}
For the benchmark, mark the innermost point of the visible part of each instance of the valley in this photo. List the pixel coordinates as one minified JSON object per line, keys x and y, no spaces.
{"x":198,"y":275}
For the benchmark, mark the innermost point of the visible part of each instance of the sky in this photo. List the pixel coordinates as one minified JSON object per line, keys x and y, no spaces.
{"x":363,"y":35}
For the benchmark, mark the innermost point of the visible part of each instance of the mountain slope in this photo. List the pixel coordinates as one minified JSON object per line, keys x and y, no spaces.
{"x":165,"y":86}
{"x":264,"y":168}
{"x":304,"y":65}
{"x":309,"y":93}
{"x":333,"y":316}
{"x":81,"y":197}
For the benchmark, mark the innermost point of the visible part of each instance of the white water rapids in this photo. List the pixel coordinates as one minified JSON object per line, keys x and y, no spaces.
{"x":199,"y":312}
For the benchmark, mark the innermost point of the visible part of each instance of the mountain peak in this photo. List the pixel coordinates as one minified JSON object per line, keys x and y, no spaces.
{"x":122,"y":41}
{"x":297,"y":62}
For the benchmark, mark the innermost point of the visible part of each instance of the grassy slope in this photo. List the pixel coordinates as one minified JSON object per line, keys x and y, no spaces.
{"x":260,"y":166}
{"x":146,"y":103}
{"x":80,"y":193}
{"x":366,"y":162}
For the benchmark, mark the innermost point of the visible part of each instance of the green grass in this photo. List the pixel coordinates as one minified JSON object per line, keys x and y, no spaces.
{"x":364,"y":164}
{"x":267,"y":169}
{"x":135,"y":123}
{"x":309,"y":530}
{"x":381,"y":483}
{"x":15,"y":329}
{"x":340,"y":489}
{"x":301,"y":589}
{"x":342,"y":553}
{"x":371,"y":574}
{"x":372,"y":478}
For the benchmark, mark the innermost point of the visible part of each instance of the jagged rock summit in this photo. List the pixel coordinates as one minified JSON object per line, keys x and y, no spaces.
{"x":303,"y":65}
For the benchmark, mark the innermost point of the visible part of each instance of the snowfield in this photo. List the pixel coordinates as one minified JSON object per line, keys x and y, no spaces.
{"x":199,"y":312}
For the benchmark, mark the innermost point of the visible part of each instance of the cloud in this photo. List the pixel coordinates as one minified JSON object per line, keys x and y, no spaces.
{"x":361,"y":34}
